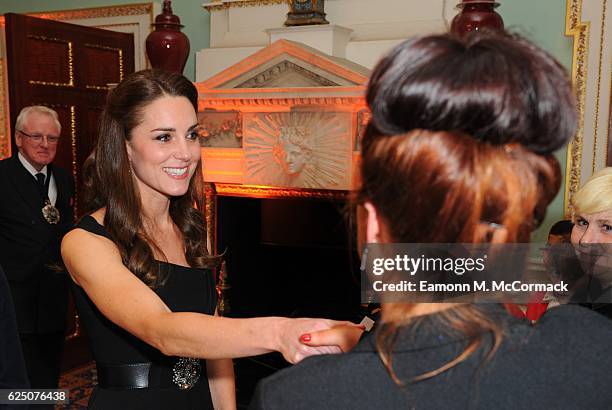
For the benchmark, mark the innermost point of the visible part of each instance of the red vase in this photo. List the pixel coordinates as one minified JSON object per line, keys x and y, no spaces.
{"x":167,"y":46}
{"x":475,"y":15}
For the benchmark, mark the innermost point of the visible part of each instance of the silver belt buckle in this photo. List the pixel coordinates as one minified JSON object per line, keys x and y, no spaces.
{"x":186,"y":372}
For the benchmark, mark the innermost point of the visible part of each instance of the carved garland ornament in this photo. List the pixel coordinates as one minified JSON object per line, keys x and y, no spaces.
{"x":226,"y":132}
{"x":579,"y":30}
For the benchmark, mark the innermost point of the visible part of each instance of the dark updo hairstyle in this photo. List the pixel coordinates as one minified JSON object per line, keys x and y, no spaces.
{"x":109,"y":183}
{"x":462,"y":132}
{"x":498,"y":88}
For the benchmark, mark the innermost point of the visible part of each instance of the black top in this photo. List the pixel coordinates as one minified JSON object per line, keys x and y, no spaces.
{"x":563,"y":362}
{"x":185,"y":290}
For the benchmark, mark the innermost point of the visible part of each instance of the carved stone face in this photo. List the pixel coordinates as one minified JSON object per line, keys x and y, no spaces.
{"x":294,"y":157}
{"x":292,"y":141}
{"x":298,"y":149}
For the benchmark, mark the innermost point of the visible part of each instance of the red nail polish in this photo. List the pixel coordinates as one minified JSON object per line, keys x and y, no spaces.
{"x":305,"y":337}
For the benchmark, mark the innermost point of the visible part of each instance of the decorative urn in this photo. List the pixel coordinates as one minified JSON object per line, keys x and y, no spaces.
{"x":167,"y":46}
{"x":476,"y":15}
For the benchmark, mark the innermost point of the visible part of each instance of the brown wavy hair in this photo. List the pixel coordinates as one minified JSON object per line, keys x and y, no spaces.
{"x":445,"y":185}
{"x":109,"y":183}
{"x":462,"y":132}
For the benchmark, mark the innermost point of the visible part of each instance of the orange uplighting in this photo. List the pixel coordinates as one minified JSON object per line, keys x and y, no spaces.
{"x":243,"y":160}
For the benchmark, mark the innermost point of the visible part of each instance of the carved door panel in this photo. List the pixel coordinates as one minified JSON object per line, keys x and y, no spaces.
{"x":68,"y":68}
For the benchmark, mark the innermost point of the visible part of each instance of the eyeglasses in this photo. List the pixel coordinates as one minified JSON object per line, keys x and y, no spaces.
{"x":37,"y":138}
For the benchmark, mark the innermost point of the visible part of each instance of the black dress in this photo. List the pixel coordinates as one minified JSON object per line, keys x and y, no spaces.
{"x":185,"y":290}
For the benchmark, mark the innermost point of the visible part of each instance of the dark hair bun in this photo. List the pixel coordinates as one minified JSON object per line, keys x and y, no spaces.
{"x":493,"y":86}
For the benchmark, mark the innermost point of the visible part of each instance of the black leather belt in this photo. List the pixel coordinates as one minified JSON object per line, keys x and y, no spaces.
{"x":181,"y":373}
{"x":125,"y":376}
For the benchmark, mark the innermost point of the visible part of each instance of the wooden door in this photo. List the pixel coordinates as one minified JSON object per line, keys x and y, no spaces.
{"x":68,"y":68}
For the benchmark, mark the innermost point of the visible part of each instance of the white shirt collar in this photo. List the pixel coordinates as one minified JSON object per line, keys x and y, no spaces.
{"x":29,"y":166}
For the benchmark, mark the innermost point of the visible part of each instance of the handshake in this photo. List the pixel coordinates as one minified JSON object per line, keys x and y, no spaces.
{"x":300,"y":338}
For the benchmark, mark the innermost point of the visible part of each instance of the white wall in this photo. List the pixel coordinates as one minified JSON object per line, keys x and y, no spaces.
{"x":239,"y":29}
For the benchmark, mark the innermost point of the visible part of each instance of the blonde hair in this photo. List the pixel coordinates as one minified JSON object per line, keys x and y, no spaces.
{"x":41,"y":109}
{"x":595,"y":195}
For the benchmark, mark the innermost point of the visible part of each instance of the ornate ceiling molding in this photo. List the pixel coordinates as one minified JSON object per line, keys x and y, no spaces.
{"x":93,"y":12}
{"x":97,"y":12}
{"x":225,"y":4}
{"x":226,"y":103}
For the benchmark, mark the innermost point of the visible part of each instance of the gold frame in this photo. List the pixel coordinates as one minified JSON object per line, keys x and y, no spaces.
{"x":266,"y":192}
{"x":70,"y":82}
{"x":5,"y":115}
{"x":120,"y":56}
{"x":581,"y":32}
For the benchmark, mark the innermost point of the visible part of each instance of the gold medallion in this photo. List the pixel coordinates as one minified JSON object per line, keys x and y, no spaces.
{"x":50,"y":213}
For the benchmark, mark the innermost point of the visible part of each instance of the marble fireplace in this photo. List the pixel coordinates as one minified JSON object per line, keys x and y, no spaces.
{"x":280,"y":136}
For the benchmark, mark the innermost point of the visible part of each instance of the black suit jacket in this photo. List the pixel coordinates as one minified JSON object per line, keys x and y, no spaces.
{"x":12,"y":367}
{"x":562,"y":362}
{"x":29,"y":245}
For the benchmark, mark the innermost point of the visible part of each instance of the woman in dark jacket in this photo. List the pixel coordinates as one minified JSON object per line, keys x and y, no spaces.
{"x":459,"y":150}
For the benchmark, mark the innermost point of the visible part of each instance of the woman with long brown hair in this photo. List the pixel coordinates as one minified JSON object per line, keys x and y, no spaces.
{"x":139,"y":260}
{"x":459,"y":151}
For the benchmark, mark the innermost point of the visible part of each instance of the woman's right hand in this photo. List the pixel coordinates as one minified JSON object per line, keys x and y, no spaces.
{"x":288,"y":334}
{"x":345,"y":337}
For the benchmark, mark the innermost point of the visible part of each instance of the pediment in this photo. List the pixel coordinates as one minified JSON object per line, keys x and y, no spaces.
{"x":286,"y":64}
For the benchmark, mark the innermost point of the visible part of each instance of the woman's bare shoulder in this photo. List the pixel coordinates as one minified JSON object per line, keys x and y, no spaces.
{"x":78,"y":234}
{"x":82,"y":250}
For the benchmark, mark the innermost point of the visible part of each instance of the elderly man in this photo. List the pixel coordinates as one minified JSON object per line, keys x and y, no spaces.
{"x":35,"y":212}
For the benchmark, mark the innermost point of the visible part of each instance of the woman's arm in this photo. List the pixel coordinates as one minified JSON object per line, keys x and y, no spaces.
{"x":95,"y":264}
{"x":221,"y":382}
